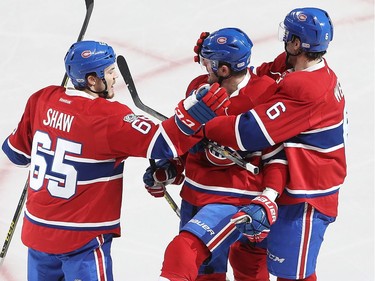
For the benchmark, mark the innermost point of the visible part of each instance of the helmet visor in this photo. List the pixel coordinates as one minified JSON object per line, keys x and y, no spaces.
{"x":283,"y":32}
{"x":209,"y":65}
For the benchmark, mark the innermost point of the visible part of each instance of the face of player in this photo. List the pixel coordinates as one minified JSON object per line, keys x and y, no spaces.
{"x":207,"y":64}
{"x":292,"y":54}
{"x":110,"y":76}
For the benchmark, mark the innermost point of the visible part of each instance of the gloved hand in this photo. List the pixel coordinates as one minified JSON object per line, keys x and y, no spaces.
{"x":201,"y":106}
{"x":167,"y":172}
{"x":255,"y":220}
{"x":198,"y":45}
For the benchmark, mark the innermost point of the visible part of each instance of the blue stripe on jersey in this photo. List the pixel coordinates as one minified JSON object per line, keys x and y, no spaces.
{"x":14,"y":156}
{"x":222,"y":192}
{"x":86,"y":171}
{"x":251,"y":135}
{"x":161,"y":149}
{"x":322,"y":139}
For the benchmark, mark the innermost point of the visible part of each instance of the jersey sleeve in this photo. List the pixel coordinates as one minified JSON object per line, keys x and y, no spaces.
{"x":17,"y":146}
{"x":273,"y":69}
{"x":290,"y":108}
{"x":275,"y":168}
{"x":125,"y":133}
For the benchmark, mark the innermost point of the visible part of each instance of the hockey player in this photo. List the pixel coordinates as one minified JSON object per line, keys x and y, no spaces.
{"x":215,"y":188}
{"x":75,"y":142}
{"x":308,"y":114}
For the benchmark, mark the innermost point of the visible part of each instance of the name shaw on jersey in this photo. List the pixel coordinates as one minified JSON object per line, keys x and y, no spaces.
{"x":58,"y":120}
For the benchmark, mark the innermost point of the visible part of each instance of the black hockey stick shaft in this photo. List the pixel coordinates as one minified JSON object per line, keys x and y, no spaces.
{"x":14,"y":221}
{"x":126,"y":74}
{"x":89,"y":8}
{"x":167,"y":196}
{"x":21,"y":201}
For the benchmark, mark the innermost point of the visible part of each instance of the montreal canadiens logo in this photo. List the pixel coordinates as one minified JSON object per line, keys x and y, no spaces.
{"x":221,"y":40}
{"x":86,"y":54}
{"x":302,"y":17}
{"x":216,"y":158}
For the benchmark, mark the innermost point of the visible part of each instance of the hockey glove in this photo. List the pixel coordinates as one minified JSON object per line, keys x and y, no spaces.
{"x":167,"y":172}
{"x":198,"y":45}
{"x":201,"y":106}
{"x":255,"y":220}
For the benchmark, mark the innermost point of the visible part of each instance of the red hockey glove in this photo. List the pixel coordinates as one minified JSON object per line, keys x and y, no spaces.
{"x":167,"y":172}
{"x":198,"y":45}
{"x":201,"y":106}
{"x":255,"y":220}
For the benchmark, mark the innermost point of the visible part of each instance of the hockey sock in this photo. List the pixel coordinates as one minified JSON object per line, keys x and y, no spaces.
{"x":212,"y":277}
{"x":312,"y":277}
{"x":183,"y":257}
{"x":249,"y":263}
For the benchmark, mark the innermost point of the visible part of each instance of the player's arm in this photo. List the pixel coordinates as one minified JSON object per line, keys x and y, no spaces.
{"x":286,"y":114}
{"x":17,"y":147}
{"x":273,"y":69}
{"x":139,"y":136}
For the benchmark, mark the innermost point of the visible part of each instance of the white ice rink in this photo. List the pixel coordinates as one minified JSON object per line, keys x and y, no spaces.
{"x":157,"y":38}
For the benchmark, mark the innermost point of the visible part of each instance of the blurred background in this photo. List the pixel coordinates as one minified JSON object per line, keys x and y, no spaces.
{"x":157,"y":39}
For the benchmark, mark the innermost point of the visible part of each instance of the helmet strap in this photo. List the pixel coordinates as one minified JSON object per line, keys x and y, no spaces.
{"x":102,"y":94}
{"x":222,"y":78}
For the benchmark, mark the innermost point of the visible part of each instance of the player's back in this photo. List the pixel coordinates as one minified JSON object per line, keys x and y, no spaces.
{"x":75,"y":184}
{"x":314,"y":131}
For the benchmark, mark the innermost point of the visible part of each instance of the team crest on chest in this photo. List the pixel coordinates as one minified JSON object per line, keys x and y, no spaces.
{"x":216,"y":158}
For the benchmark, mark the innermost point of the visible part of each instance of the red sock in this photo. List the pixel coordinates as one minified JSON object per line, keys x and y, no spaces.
{"x":249,"y":263}
{"x":183,"y":257}
{"x":312,"y":277}
{"x":212,"y":277}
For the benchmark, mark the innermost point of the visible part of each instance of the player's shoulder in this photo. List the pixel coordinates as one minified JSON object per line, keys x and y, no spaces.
{"x":109,"y":108}
{"x":258,"y":85}
{"x":46,"y":93}
{"x":49,"y":90}
{"x":196,"y":82}
{"x":260,"y":81}
{"x":306,"y":85}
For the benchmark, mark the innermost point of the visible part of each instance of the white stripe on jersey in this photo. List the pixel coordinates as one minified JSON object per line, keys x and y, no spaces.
{"x":72,"y":224}
{"x":323,"y":128}
{"x":261,"y":125}
{"x":222,"y":189}
{"x":312,"y":192}
{"x":309,"y":147}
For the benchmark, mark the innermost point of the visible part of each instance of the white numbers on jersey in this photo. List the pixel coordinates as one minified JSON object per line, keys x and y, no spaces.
{"x":63,"y":187}
{"x":275,"y":110}
{"x":142,"y":124}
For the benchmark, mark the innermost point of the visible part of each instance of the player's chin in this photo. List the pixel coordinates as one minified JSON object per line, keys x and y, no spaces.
{"x":110,"y":95}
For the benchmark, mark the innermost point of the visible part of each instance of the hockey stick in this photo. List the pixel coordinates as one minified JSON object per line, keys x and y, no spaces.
{"x":231,"y":155}
{"x":124,"y":70}
{"x":125,"y":73}
{"x":21,"y":202}
{"x":167,"y":196}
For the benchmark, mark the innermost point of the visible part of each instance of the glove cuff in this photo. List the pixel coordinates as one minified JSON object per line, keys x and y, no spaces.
{"x":270,"y":193}
{"x":269,"y":206}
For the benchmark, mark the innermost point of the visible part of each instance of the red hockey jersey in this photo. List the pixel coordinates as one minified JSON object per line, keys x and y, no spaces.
{"x":211,"y":178}
{"x":75,"y":145}
{"x":308,"y":114}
